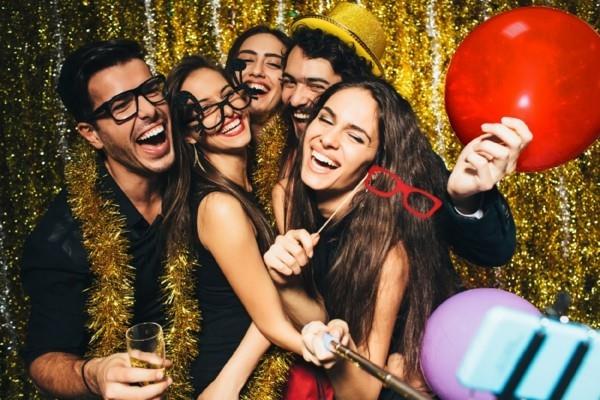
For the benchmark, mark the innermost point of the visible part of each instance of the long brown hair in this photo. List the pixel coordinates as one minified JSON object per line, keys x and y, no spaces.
{"x":375,"y":225}
{"x":189,"y":180}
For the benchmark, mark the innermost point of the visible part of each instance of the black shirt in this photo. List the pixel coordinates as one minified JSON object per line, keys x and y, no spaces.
{"x":489,"y":241}
{"x":56,"y":274}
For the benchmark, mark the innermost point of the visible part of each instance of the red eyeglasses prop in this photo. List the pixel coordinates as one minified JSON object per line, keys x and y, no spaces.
{"x":406,"y":190}
{"x":400,"y":187}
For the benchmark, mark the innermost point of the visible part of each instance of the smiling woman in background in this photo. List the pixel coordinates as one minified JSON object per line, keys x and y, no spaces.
{"x":256,"y":58}
{"x":261,"y":49}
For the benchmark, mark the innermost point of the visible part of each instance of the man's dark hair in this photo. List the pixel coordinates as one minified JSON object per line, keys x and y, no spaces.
{"x":343,"y":58}
{"x":232,"y":55}
{"x":84,"y":62}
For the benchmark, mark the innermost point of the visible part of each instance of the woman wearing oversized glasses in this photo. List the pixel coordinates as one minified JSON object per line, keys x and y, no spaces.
{"x":212,"y":202}
{"x":380,"y":266}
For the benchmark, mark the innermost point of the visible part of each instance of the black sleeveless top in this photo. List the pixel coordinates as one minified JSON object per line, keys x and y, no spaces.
{"x":325,"y":253}
{"x":224,"y":318}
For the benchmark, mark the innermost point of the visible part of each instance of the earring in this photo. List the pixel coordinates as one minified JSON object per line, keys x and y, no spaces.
{"x":197,"y":159}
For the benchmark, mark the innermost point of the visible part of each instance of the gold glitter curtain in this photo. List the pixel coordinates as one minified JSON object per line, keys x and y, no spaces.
{"x":556,"y":211}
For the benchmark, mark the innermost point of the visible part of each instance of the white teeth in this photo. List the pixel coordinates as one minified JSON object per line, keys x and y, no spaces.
{"x":234,"y":123}
{"x":324,"y":159}
{"x":258,"y":86}
{"x":300,"y":115}
{"x":152,"y":132}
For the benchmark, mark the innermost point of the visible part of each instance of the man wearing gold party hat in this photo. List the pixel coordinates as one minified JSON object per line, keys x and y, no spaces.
{"x":344,"y":45}
{"x":347,"y":44}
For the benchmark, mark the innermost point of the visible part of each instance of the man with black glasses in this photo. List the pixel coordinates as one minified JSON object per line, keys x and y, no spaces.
{"x":93,"y":264}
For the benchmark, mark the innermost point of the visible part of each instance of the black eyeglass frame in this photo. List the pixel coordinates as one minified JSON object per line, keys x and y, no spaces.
{"x":104,"y":109}
{"x":184,"y":96}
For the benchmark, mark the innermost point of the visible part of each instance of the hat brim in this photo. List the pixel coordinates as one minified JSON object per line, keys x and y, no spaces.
{"x":334,"y":28}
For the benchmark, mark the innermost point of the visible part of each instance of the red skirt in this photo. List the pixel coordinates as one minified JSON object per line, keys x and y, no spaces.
{"x":308,"y":382}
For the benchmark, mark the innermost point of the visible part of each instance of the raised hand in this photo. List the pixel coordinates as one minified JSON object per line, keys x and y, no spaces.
{"x":489,"y":158}
{"x":290,"y":253}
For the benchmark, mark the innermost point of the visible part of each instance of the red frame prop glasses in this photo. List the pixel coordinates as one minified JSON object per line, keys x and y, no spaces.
{"x":403,"y":188}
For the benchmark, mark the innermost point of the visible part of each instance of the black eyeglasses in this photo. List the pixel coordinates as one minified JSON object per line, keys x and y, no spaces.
{"x":124,"y":106}
{"x":235,"y":70}
{"x":210,"y":117}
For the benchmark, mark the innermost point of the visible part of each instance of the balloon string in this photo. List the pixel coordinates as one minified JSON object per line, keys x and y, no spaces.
{"x":344,"y":201}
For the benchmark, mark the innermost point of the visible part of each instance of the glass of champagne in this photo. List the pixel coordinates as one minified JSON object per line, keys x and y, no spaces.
{"x":146,"y":345}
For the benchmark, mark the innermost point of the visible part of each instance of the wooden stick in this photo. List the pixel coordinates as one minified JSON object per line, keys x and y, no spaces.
{"x":342,"y":203}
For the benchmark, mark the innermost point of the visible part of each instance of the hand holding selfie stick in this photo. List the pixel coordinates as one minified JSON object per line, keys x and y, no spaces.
{"x":384,"y":376}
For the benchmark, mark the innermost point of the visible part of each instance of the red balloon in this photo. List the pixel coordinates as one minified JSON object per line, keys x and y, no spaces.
{"x":534,"y":63}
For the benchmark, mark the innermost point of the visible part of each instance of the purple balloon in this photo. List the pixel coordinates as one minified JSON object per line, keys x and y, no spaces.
{"x":449,"y":332}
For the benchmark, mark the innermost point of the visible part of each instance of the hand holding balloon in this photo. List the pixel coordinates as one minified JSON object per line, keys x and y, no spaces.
{"x":487,"y":159}
{"x":534,"y":63}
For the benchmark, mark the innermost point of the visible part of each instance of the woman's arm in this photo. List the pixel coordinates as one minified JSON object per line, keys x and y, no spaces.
{"x":300,"y":307}
{"x":350,"y":382}
{"x":239,"y":367}
{"x":396,"y":365}
{"x":285,"y":259}
{"x":227,"y":232}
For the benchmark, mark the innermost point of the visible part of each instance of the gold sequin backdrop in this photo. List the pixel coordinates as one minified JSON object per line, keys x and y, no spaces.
{"x":556,"y":211}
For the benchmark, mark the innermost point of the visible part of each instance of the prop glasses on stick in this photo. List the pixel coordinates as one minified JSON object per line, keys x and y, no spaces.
{"x":407,"y":191}
{"x":433,"y":203}
{"x":211,"y":117}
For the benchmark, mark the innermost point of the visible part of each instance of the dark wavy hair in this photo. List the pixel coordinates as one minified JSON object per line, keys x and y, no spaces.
{"x":343,"y":58}
{"x":84,"y":62}
{"x":187,"y":180}
{"x":375,"y":225}
{"x":234,"y":50}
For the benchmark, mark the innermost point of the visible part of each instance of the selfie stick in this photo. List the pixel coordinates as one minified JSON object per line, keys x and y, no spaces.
{"x":384,"y":376}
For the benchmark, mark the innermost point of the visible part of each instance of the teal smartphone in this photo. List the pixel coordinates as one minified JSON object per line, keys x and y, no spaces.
{"x":528,"y":357}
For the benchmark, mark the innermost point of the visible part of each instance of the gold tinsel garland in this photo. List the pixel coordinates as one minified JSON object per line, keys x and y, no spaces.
{"x":269,"y":148}
{"x":271,"y":375}
{"x":111,"y":296}
{"x":183,"y":316}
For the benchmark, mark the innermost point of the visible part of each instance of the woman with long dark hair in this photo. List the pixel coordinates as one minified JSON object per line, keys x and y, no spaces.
{"x":211,"y":206}
{"x":261,"y":50}
{"x":256,"y":60}
{"x":379,"y":267}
